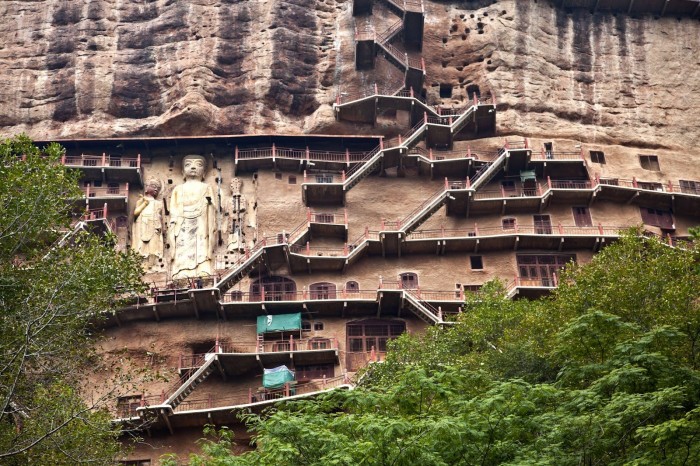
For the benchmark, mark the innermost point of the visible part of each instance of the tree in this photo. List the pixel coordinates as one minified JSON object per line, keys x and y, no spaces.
{"x":602,"y":372}
{"x":52,"y":295}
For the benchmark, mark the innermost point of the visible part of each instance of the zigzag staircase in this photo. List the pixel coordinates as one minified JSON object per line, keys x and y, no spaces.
{"x":395,"y":7}
{"x":242,"y":268}
{"x":363,"y":169}
{"x":487,"y":172}
{"x":192,"y":381}
{"x":422,"y":309}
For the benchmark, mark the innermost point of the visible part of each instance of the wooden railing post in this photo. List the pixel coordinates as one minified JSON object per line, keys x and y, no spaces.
{"x":515,"y":224}
{"x":634,"y":181}
{"x":476,"y":229}
{"x":347,"y":155}
{"x":308,"y":249}
{"x":549,"y":182}
{"x":561,"y":229}
{"x":104,"y":159}
{"x":447,"y":184}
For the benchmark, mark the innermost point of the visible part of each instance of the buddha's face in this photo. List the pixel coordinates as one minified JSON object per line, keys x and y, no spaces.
{"x":152,"y":188}
{"x":193,"y":167}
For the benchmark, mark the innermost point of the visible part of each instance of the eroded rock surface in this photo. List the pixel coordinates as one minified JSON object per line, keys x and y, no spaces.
{"x":100,"y":68}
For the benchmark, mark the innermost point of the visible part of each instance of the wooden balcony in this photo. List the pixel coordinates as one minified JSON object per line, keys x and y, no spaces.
{"x":107,"y":168}
{"x":115,"y":197}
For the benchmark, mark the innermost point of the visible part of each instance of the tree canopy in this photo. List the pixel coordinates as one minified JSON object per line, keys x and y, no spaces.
{"x":604,"y":371}
{"x":51,"y":296}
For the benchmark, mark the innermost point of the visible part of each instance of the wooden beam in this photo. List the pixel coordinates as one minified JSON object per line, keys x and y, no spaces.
{"x":166,"y":419}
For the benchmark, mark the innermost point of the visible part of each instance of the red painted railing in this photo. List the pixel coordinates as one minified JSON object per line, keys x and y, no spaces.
{"x":103,"y":160}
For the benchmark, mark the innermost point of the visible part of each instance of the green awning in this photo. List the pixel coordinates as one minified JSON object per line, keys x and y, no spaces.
{"x":527,"y":175}
{"x":279,"y":323}
{"x":277,"y":377}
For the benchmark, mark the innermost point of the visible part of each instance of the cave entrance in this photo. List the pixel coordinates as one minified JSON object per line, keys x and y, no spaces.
{"x":445,"y":91}
{"x":473,"y":91}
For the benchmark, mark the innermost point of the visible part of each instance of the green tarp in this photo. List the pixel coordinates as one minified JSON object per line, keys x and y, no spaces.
{"x":279,"y":323}
{"x":277,"y":377}
{"x":527,"y":175}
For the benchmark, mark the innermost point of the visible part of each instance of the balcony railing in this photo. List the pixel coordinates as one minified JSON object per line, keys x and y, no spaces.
{"x":280,"y":346}
{"x":234,"y":296}
{"x":298,"y":154}
{"x":103,"y":160}
{"x":106,"y":191}
{"x":327,"y":218}
{"x":518,"y":229}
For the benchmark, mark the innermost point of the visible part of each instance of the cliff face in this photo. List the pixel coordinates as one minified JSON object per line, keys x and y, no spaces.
{"x":100,"y":68}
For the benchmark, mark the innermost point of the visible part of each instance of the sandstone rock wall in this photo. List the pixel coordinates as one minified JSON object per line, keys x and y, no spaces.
{"x":99,"y":68}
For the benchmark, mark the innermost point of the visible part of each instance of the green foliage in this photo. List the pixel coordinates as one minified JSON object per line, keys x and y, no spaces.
{"x":602,"y":372}
{"x":51,"y":296}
